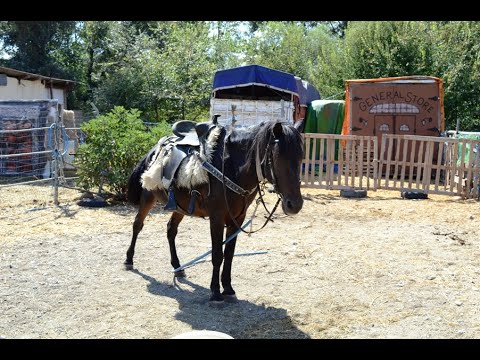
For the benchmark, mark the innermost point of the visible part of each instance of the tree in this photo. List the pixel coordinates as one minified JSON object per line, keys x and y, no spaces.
{"x":456,"y":48}
{"x":448,"y":50}
{"x":309,"y":51}
{"x":95,"y":36}
{"x":337,"y":27}
{"x":328,"y":71}
{"x":227,"y":44}
{"x":281,"y":46}
{"x":166,"y":68}
{"x":41,"y":47}
{"x":190,"y":68}
{"x":165,"y":82}
{"x":387,"y":48}
{"x":114,"y":68}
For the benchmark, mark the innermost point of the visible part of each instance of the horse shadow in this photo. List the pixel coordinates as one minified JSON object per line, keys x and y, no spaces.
{"x":241,"y":320}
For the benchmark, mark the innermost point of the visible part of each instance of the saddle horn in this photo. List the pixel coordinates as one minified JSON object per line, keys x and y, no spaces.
{"x":215,"y":118}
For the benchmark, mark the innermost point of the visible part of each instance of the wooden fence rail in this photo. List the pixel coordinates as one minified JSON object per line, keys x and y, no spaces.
{"x":340,"y":161}
{"x":438,"y":165}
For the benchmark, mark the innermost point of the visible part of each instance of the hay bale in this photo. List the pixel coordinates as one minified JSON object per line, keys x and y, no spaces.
{"x":68,"y":119}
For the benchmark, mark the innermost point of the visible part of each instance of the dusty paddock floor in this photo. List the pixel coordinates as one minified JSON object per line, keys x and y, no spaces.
{"x":380,"y":267}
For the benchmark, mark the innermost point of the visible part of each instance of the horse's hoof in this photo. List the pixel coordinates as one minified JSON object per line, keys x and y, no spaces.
{"x":216,"y":304}
{"x":216,"y":301}
{"x":128,"y":266}
{"x":230,"y":298}
{"x":180,"y":274}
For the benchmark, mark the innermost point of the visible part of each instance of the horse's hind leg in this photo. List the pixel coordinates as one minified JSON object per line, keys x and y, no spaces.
{"x":147,"y":202}
{"x":172,"y":228}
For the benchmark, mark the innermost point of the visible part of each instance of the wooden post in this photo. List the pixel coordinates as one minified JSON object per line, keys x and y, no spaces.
{"x":307,"y":159}
{"x":369,"y":149}
{"x":56,"y":154}
{"x":320,"y":164}
{"x":461,"y":168}
{"x":341,"y":154}
{"x":476,"y":173}
{"x":469,"y":167}
{"x":398,"y":143}
{"x":441,"y":145}
{"x":404,"y":162}
{"x":313,"y":159}
{"x":348,"y":160}
{"x":412,"y":163}
{"x":419,"y":163}
{"x":361,"y":153}
{"x":454,"y":157}
{"x":427,"y":173}
{"x":376,"y":181}
{"x":381,"y":159}
{"x":332,"y":160}
{"x":389,"y":157}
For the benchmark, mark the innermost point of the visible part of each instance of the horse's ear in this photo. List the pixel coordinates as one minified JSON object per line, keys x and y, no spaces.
{"x":299,"y":125}
{"x":277,"y":130}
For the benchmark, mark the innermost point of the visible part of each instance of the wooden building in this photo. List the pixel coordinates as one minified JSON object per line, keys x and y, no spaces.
{"x":408,"y":105}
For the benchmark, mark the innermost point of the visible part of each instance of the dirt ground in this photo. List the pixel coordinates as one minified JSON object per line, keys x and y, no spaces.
{"x":380,"y":267}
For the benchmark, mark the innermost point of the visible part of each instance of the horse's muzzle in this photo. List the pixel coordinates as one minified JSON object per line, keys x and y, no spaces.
{"x":292,"y":206}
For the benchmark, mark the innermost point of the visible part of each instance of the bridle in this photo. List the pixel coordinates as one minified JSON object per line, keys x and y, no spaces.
{"x":259,"y":165}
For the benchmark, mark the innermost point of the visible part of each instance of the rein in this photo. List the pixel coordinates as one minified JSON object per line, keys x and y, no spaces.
{"x":219,"y":175}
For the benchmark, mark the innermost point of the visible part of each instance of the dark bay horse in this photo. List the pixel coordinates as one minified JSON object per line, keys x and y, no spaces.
{"x":271,"y":151}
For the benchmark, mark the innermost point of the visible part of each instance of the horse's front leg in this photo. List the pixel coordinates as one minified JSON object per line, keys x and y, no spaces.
{"x":216,"y":233}
{"x":228,"y":292}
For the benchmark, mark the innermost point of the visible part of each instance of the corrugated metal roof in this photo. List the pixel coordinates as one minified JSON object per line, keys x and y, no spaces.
{"x":23,"y":75}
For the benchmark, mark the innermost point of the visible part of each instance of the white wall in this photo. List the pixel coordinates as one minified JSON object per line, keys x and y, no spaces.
{"x":29,"y":90}
{"x":251,"y":112}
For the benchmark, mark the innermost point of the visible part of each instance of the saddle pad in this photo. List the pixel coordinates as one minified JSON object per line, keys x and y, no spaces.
{"x":190,"y":173}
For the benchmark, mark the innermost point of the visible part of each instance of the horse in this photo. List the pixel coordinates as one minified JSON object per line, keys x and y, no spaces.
{"x":243,"y":159}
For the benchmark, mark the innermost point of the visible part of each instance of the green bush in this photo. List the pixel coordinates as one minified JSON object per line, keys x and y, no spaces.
{"x":115,"y":142}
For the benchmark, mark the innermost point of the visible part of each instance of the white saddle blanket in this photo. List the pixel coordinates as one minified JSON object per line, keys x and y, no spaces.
{"x":190,"y":172}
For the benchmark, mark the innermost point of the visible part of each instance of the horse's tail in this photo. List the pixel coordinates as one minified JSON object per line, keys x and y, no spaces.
{"x":134,"y":186}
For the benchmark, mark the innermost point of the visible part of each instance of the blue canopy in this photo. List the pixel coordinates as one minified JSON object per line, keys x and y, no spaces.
{"x":306,"y":92}
{"x":262,"y":76}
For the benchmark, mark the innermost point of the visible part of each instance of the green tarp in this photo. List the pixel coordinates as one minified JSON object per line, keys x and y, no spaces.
{"x":467,"y":149}
{"x":325,"y":117}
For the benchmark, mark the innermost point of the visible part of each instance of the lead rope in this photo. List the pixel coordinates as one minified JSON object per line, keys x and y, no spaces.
{"x":198,"y":258}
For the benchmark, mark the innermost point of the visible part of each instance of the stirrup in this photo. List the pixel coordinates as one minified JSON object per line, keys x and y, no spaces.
{"x":171,"y":203}
{"x":191,"y":204}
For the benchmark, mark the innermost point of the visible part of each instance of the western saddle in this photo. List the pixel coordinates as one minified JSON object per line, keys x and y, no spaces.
{"x":188,"y":137}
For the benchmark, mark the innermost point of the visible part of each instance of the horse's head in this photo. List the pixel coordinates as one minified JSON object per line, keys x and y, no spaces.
{"x":284,"y":159}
